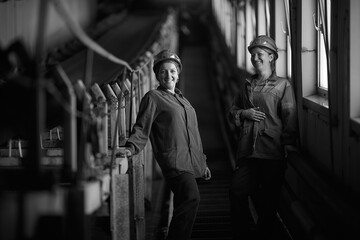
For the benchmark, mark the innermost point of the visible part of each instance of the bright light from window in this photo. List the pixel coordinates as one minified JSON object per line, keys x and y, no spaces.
{"x":323,"y":51}
{"x":323,"y":68}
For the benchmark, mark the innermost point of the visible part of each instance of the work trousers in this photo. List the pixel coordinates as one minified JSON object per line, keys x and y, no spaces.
{"x":260,"y":179}
{"x":186,"y":202}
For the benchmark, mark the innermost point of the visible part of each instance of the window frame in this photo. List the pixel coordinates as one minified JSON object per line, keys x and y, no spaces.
{"x":323,"y":16}
{"x":354,"y":68}
{"x":309,"y":60}
{"x":288,"y":40}
{"x":354,"y":60}
{"x":250,"y":18}
{"x":241,"y":35}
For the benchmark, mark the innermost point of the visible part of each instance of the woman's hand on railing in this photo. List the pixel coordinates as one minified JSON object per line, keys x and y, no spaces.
{"x":128,"y":153}
{"x":124,"y":153}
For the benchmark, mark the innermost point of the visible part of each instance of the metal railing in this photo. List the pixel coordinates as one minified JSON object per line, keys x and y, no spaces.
{"x":91,"y":172}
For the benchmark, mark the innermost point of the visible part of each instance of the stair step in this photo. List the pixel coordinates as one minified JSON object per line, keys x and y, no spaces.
{"x":211,"y":233}
{"x":212,"y":219}
{"x":218,"y":226}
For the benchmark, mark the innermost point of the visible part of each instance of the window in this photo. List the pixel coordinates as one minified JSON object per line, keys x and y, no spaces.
{"x":225,"y":16}
{"x":354,"y":61}
{"x":263,"y":18}
{"x":267,"y":14}
{"x":288,"y":39}
{"x":323,"y":43}
{"x":227,"y":23}
{"x":241,"y":32}
{"x":281,"y":33}
{"x":315,"y":54}
{"x":250,"y":29}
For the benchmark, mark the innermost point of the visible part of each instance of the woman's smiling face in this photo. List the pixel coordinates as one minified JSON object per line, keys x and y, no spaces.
{"x":261,"y":59}
{"x":168,"y":76}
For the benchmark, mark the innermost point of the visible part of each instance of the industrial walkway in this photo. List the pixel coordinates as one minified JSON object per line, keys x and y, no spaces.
{"x":212,"y":221}
{"x":198,"y":86}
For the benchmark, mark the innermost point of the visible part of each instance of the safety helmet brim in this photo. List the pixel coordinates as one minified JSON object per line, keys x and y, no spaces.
{"x":166,"y":55}
{"x":265,"y":42}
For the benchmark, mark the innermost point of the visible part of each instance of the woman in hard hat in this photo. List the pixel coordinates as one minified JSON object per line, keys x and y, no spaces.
{"x":168,"y":119}
{"x":264,"y":112}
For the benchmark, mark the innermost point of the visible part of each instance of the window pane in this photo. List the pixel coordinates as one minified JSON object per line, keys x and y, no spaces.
{"x":323,"y":74}
{"x":241,"y":38}
{"x":267,"y":12}
{"x":323,"y":50}
{"x":288,"y":39}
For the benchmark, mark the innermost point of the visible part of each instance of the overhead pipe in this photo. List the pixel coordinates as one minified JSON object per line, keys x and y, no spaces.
{"x":81,"y":35}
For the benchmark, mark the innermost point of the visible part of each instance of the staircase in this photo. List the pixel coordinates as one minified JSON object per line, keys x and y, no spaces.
{"x":213,"y":221}
{"x":213,"y":217}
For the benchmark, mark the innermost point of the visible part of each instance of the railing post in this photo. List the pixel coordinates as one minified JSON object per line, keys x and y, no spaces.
{"x":85,"y":107}
{"x":120,"y":200}
{"x":103,"y":109}
{"x":148,"y":171}
{"x":137,"y":190}
{"x":76,"y":225}
{"x":125,"y":88}
{"x":132,"y":102}
{"x":121,"y":108}
{"x":70,"y":128}
{"x":114,"y":108}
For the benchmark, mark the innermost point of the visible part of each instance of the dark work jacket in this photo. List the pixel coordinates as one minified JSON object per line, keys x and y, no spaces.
{"x":171,"y":123}
{"x":265,"y":139}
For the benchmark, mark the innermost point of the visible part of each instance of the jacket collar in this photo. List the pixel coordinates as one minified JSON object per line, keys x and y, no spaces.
{"x":177,"y":91}
{"x":273,"y":77}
